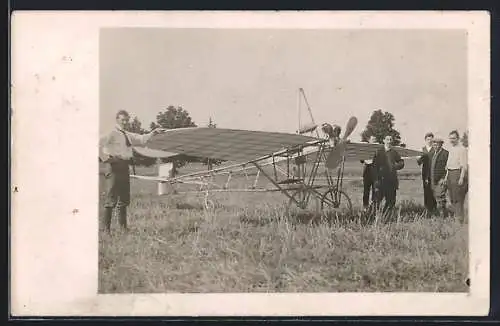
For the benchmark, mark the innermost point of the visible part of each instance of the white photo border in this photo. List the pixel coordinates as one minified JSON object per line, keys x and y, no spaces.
{"x":55,"y":129}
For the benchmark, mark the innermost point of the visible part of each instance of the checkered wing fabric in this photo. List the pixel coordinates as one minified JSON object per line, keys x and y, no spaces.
{"x":365,"y":151}
{"x":225,"y":144}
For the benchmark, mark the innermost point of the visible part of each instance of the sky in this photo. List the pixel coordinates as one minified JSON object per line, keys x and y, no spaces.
{"x":250,"y":79}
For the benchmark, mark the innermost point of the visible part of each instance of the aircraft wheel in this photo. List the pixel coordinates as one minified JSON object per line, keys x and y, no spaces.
{"x":337,"y":201}
{"x":310,"y":205}
{"x":209,"y":204}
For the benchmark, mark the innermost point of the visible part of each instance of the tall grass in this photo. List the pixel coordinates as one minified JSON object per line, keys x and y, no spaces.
{"x":239,"y":245}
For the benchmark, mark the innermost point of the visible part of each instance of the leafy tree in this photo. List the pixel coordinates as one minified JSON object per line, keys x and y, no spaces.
{"x":211,"y":123}
{"x":380,"y":125}
{"x":153,"y":126}
{"x":207,"y":161}
{"x":174,"y":117}
{"x":135,"y":126}
{"x":465,"y":139}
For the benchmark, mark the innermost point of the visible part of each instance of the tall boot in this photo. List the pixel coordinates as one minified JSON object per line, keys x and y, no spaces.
{"x":108,"y":215}
{"x":123,"y":217}
{"x":457,"y":212}
{"x":441,"y":211}
{"x":461,"y":216}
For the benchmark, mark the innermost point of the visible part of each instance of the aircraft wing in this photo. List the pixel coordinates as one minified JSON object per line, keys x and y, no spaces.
{"x":154,"y":153}
{"x":225,"y":144}
{"x":364,"y":151}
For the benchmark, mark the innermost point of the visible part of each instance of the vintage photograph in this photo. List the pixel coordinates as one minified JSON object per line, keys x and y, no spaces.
{"x":283,"y":160}
{"x":250,"y":164}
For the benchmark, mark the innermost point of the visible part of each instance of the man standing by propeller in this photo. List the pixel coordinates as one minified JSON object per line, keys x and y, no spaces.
{"x":386,"y":163}
{"x":116,"y":151}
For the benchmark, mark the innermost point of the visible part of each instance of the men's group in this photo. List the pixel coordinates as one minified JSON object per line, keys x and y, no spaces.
{"x":444,"y":172}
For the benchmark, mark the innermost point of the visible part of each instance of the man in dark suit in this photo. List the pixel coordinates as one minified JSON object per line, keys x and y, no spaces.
{"x":425,"y":161}
{"x":368,"y":181}
{"x":439,"y":159}
{"x":386,"y":163}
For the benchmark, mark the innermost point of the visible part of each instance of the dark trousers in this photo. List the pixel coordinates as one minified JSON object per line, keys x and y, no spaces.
{"x":429,"y":200}
{"x":117,"y":191}
{"x":368,"y":186}
{"x":387,"y":192}
{"x":457,"y":193}
{"x":439,"y":191}
{"x":117,"y":184}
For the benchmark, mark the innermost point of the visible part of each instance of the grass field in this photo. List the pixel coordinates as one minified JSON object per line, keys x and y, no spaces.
{"x":246,"y":243}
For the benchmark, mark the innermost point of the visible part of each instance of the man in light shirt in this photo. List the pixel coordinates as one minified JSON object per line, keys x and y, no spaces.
{"x":425,"y":161}
{"x":456,"y":175}
{"x":368,"y":178}
{"x":116,"y":152}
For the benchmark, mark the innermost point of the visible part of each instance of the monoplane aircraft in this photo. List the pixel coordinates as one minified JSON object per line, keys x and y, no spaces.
{"x":290,"y":162}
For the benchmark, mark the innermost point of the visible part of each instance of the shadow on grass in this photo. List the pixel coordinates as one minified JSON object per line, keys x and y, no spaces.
{"x":188,"y":230}
{"x":255,"y":220}
{"x":199,"y":206}
{"x":405,"y":211}
{"x":189,"y":206}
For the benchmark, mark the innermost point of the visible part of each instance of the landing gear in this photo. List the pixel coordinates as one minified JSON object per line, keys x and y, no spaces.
{"x":337,"y":201}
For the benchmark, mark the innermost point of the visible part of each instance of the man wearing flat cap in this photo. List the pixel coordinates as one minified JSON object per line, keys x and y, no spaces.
{"x":425,"y":162}
{"x":438,"y":161}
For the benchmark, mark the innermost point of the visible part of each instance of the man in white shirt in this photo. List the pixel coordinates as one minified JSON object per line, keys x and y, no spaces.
{"x":116,"y":151}
{"x":456,"y":174}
